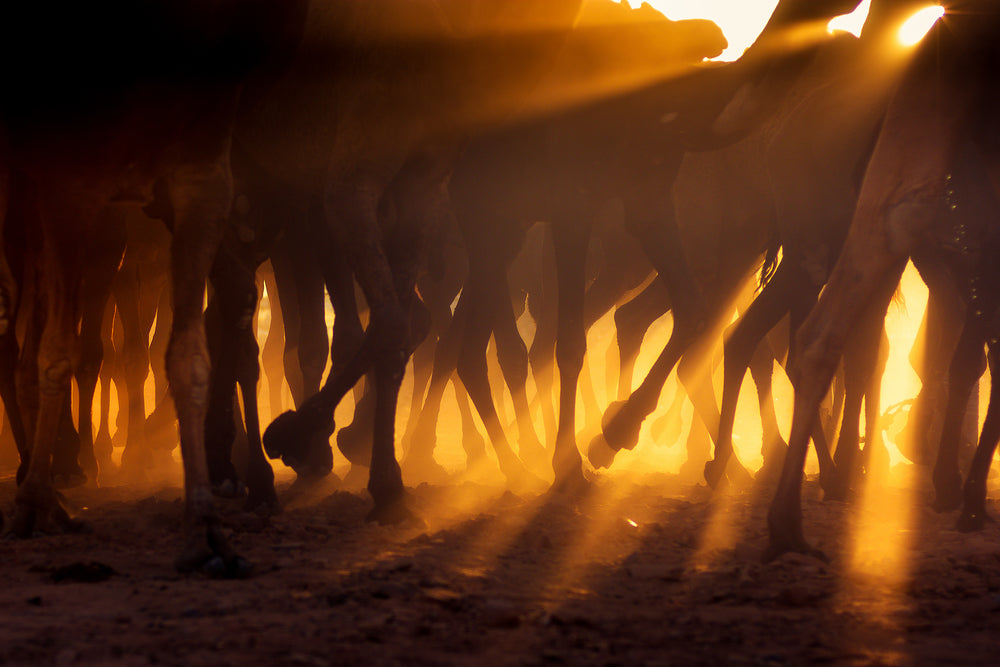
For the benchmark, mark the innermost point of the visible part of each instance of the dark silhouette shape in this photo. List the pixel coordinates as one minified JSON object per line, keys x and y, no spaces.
{"x":945,"y":99}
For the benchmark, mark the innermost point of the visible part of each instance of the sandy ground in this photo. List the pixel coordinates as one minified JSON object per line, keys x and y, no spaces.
{"x":644,"y":570}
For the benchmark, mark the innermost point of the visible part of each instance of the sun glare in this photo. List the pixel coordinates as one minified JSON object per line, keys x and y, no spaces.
{"x":741,"y":20}
{"x":852,"y":22}
{"x":919,"y":24}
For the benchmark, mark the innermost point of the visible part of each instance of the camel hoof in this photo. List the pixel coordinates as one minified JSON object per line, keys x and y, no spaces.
{"x":262,"y":502}
{"x":534,"y":455}
{"x":948,"y":495}
{"x":393,"y":513}
{"x":69,"y":480}
{"x":292,"y":438}
{"x":229,"y":488}
{"x":355,"y":443}
{"x":770,"y":471}
{"x":972,"y":521}
{"x":776,"y":550}
{"x":422,"y":469}
{"x":571,"y":483}
{"x":738,"y":476}
{"x":29,"y":521}
{"x":210,"y":554}
{"x":785,"y":536}
{"x":836,"y":489}
{"x":22,"y":523}
{"x":619,"y":432}
{"x":520,"y":479}
{"x":599,"y":452}
{"x":715,"y":470}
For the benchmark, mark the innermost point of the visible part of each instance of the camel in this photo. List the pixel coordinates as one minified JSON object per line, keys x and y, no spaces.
{"x":93,"y":131}
{"x":805,"y":167}
{"x":944,"y":101}
{"x":979,"y":329}
{"x":968,"y":258}
{"x":609,"y":129}
{"x":381,"y":146}
{"x":272,"y":222}
{"x":623,"y":419}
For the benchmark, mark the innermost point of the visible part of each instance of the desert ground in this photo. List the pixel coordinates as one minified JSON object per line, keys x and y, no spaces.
{"x":642,"y":570}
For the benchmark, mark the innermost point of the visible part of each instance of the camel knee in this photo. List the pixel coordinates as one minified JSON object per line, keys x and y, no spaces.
{"x":189,"y":372}
{"x":570,"y":351}
{"x":471,"y":369}
{"x":513,"y":359}
{"x":54,"y":374}
{"x":390,"y":326}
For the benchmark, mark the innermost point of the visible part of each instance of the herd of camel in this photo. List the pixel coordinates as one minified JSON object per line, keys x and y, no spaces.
{"x":410,"y":149}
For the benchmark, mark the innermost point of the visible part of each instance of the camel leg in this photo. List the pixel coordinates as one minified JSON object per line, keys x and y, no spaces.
{"x":354,"y":440}
{"x":100,"y":274}
{"x":307,"y":243}
{"x":438,"y":290}
{"x":861,"y":362}
{"x":161,"y":424}
{"x":300,"y":285}
{"x":571,"y":238}
{"x":872,"y":260}
{"x":512,"y":354}
{"x":288,"y":301}
{"x":473,"y":443}
{"x":866,"y":264}
{"x":200,"y":193}
{"x":36,"y":503}
{"x":103,"y":446}
{"x":931,"y":358}
{"x":260,"y":476}
{"x":420,"y":455}
{"x":9,"y":354}
{"x":763,"y":315}
{"x":874,"y":455}
{"x":388,"y":281}
{"x":227,"y":320}
{"x":541,"y":355}
{"x":653,"y":221}
{"x":974,"y":516}
{"x":136,"y":459}
{"x":273,"y":349}
{"x":899,"y":202}
{"x":967,"y":365}
{"x":773,"y":446}
{"x":632,"y":320}
{"x":9,"y":349}
{"x":352,"y":203}
{"x":423,"y":369}
{"x":486,"y":293}
{"x":26,"y":375}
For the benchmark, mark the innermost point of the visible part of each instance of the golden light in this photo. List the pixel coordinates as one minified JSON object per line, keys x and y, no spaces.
{"x":918,"y":25}
{"x":852,"y":22}
{"x":632,"y":523}
{"x":741,"y":20}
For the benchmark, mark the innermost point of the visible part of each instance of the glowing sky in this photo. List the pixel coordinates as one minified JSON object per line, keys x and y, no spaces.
{"x":740,"y":20}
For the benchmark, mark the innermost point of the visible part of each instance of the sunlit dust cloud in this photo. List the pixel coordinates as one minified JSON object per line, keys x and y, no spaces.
{"x":900,"y":382}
